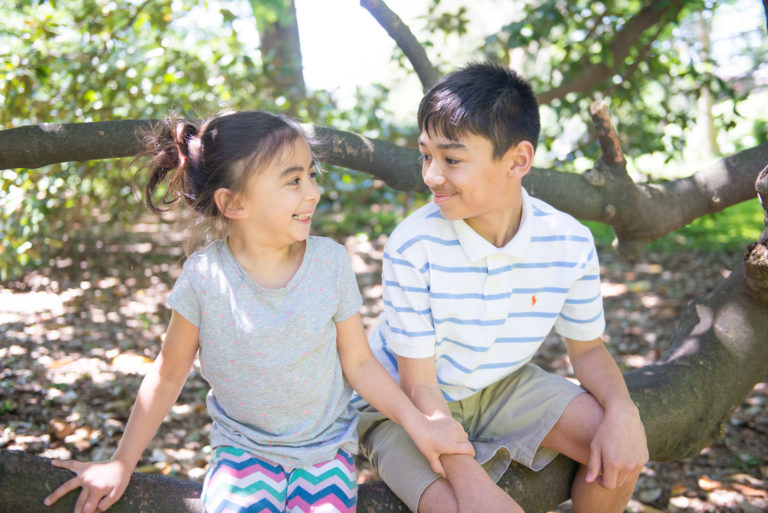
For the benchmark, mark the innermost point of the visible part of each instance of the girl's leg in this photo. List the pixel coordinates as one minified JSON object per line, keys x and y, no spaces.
{"x":239,"y":482}
{"x":328,"y":487}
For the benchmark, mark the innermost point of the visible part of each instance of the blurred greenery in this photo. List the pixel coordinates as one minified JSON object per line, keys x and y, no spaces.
{"x":734,"y":227}
{"x":94,"y":60}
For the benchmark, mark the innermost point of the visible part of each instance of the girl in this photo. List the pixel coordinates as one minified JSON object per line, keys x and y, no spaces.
{"x":273,"y":314}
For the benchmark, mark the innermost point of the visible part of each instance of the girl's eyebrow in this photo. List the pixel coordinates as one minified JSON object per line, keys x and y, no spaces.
{"x":293,"y":169}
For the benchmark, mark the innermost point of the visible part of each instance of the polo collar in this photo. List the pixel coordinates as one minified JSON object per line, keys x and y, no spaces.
{"x":477,"y":248}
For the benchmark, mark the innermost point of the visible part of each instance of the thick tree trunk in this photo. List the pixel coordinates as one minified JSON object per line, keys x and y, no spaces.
{"x":281,"y":49}
{"x":720,"y":352}
{"x":639,"y":213}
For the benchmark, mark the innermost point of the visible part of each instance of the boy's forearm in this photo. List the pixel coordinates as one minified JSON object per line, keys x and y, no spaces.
{"x":599,"y":374}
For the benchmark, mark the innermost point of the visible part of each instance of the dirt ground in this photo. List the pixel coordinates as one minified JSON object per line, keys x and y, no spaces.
{"x":77,"y":336}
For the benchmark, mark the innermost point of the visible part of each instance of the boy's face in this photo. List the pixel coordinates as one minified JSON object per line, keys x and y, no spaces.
{"x":465,"y":180}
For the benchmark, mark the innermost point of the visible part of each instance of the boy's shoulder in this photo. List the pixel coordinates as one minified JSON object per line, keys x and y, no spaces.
{"x":425,"y":222}
{"x":547,"y":218}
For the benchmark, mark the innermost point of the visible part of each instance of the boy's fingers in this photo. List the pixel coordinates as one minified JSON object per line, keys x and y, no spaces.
{"x":593,"y":468}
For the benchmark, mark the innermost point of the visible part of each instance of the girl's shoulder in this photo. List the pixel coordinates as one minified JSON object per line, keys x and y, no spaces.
{"x":324,"y":246}
{"x":206,"y":257}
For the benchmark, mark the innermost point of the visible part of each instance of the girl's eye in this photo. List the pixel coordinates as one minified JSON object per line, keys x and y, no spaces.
{"x":451,"y":161}
{"x":314,"y":174}
{"x":424,"y":158}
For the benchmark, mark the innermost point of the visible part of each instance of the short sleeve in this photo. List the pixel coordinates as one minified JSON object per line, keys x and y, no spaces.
{"x":185,"y":295}
{"x":409,"y":328}
{"x":350,"y":299}
{"x":582,"y":317}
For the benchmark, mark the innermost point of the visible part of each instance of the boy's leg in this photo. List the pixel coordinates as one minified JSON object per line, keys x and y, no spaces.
{"x":408,"y":474}
{"x":238,"y":481}
{"x":572,"y":436}
{"x":327,"y":487}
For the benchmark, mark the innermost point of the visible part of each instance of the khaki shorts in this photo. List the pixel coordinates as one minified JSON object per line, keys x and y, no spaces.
{"x":506,"y":422}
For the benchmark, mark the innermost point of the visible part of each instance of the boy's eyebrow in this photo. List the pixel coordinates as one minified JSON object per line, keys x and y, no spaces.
{"x":447,"y":146}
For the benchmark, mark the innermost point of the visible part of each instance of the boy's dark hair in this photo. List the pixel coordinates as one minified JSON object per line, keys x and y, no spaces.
{"x":482,"y":99}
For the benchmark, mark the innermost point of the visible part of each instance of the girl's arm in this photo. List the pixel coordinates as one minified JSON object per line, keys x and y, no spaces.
{"x":105,"y":482}
{"x":434,"y":434}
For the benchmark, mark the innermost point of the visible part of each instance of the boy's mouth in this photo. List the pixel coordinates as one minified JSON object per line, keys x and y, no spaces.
{"x":302,"y":217}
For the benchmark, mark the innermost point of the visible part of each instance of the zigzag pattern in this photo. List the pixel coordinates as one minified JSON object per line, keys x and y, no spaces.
{"x":241,"y":483}
{"x":329,"y":487}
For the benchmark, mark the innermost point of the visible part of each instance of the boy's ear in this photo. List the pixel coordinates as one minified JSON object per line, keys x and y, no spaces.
{"x":520,"y":159}
{"x":229,"y":204}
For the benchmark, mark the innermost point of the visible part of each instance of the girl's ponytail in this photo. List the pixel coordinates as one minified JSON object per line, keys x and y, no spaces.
{"x":174,"y":152}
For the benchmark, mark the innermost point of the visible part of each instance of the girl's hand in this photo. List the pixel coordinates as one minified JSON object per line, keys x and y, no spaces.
{"x":441,"y":434}
{"x":103,"y":484}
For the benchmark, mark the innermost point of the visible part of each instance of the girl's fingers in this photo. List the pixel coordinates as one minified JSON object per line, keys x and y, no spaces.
{"x":62,"y":490}
{"x":81,"y":501}
{"x":107,"y":501}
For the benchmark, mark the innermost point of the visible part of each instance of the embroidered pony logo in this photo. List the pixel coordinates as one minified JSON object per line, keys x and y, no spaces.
{"x":533,"y":300}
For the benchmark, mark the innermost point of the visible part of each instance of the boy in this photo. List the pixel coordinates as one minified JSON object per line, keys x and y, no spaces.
{"x":473,"y":283}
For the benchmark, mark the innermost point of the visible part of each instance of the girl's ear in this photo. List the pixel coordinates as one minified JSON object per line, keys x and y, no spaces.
{"x":229,"y":204}
{"x":520,"y":159}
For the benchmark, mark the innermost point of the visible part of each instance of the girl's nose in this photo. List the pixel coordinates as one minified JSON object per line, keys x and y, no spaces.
{"x":312,"y":193}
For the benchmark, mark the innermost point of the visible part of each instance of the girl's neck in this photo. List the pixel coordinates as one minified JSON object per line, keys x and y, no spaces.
{"x":270,"y":267}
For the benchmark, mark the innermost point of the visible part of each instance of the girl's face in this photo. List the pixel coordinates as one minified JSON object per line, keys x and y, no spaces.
{"x":281,"y":198}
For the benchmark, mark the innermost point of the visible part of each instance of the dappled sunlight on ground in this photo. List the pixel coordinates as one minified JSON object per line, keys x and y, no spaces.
{"x":77,"y":337}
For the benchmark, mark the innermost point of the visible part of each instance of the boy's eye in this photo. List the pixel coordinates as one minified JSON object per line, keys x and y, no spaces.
{"x":424,"y":158}
{"x":451,"y":161}
{"x":314,"y":174}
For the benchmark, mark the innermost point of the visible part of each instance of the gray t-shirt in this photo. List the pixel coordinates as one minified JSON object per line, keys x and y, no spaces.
{"x":270,"y":355}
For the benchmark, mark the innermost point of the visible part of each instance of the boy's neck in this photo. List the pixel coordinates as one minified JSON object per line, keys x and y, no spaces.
{"x":501,"y":226}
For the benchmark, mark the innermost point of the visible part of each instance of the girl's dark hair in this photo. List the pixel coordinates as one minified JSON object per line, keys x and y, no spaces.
{"x":482,"y":99}
{"x":194,"y":159}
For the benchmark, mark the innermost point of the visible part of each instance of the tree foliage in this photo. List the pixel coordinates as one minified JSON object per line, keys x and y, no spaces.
{"x":80,"y":61}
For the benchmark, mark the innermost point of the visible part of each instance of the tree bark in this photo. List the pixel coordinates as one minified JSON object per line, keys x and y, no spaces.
{"x":405,"y":40}
{"x":721,"y":341}
{"x":281,"y":49}
{"x":639,"y":213}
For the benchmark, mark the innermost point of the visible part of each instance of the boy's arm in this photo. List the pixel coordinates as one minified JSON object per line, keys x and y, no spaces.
{"x":619,"y":448}
{"x":434,"y":433}
{"x":470,"y":483}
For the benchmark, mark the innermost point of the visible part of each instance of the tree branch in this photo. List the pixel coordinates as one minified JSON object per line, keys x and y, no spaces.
{"x":405,"y":40}
{"x":588,"y":76}
{"x":765,"y":8}
{"x":613,"y":156}
{"x":639,"y":213}
{"x":721,"y":338}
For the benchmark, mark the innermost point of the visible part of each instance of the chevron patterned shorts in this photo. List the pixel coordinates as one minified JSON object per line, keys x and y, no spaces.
{"x":237,"y":481}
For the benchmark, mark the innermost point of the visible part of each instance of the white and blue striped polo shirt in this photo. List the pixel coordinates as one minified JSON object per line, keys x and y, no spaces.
{"x":483,"y":311}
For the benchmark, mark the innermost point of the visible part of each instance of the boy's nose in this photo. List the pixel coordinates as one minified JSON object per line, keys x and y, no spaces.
{"x":432,"y":175}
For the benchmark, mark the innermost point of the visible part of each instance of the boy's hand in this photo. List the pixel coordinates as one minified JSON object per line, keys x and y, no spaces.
{"x":441,"y":434}
{"x":619,"y":449}
{"x":102,"y":484}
